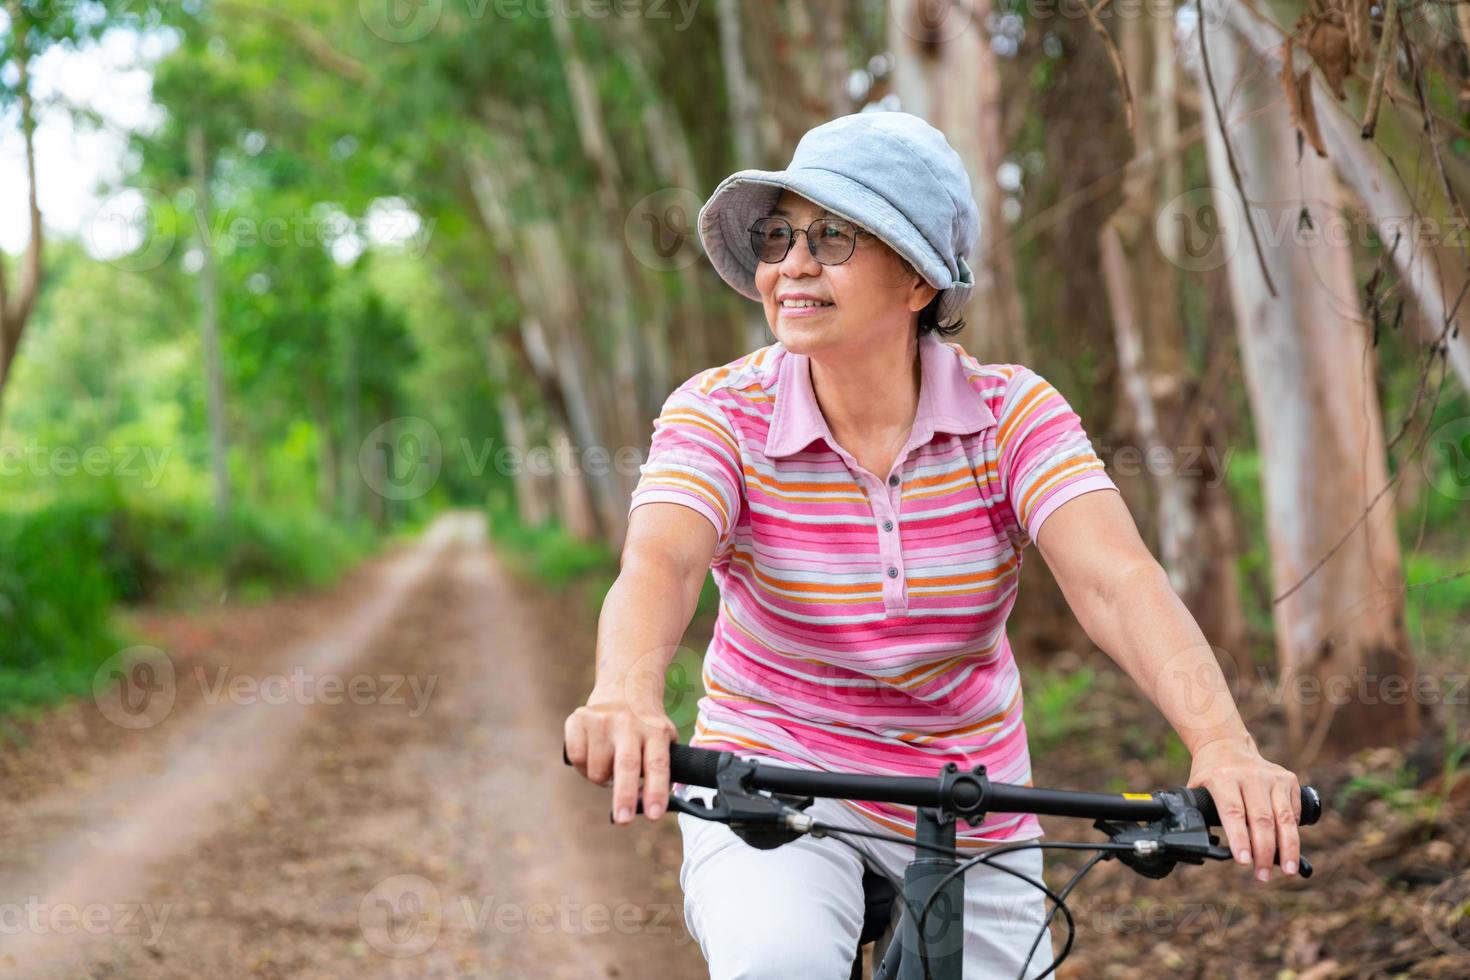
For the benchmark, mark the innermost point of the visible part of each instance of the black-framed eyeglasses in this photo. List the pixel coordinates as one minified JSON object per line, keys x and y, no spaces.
{"x":830,"y":240}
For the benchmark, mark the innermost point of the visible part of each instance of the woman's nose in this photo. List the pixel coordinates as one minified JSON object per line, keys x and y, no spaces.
{"x":799,"y":260}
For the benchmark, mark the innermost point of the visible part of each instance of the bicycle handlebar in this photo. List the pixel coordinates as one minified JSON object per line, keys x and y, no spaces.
{"x":700,"y":767}
{"x":1149,"y":832}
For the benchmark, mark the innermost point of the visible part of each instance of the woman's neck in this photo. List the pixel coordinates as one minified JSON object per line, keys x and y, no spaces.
{"x":871,"y":393}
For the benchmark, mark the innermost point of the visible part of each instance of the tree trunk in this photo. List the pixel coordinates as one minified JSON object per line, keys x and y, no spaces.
{"x":209,"y":321}
{"x":352,"y":482}
{"x":756,"y":135}
{"x":326,"y":455}
{"x":15,"y":310}
{"x":739,"y":92}
{"x":946,"y":72}
{"x":531,"y":506}
{"x":1309,"y":374}
{"x":1196,"y":537}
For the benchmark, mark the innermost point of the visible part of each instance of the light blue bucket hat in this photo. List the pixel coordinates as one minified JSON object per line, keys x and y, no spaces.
{"x":888,"y":172}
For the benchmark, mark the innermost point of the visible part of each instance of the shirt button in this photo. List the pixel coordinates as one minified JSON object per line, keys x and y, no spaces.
{"x":888,"y":525}
{"x":893,"y":480}
{"x":892,"y":572}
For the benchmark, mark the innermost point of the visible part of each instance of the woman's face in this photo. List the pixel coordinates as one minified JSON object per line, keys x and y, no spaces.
{"x":872,"y":297}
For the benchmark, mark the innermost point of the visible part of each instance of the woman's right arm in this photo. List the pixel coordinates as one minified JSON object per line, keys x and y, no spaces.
{"x":623,"y":732}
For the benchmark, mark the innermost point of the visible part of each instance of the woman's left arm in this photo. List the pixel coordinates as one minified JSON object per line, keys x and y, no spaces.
{"x":1123,"y":599}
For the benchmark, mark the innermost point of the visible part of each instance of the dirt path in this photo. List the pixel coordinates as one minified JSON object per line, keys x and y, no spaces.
{"x":362,"y":783}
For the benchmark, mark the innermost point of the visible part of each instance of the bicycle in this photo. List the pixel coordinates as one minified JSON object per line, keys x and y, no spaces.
{"x":1151,"y":833}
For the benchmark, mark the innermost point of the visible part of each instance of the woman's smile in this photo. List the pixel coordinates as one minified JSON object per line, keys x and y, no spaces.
{"x":802,"y":305}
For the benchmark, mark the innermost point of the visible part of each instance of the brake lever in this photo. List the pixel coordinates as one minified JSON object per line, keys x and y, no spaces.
{"x":761,"y":820}
{"x":1182,"y":835}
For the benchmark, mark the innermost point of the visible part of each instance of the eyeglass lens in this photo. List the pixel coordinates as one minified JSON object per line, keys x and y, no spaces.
{"x":831,"y":240}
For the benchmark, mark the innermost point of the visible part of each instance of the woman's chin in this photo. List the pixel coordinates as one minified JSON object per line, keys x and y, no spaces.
{"x":802,"y":335}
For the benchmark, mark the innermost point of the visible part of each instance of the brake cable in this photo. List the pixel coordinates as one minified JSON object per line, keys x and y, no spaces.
{"x":1157,"y":864}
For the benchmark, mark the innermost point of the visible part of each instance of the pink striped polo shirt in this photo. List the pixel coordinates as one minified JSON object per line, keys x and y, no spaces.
{"x":862,"y":616}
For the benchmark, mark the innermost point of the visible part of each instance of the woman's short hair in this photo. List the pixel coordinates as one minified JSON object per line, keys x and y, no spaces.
{"x":929,"y":320}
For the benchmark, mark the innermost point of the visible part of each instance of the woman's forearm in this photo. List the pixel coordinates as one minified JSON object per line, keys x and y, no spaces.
{"x":643,"y":619}
{"x":1144,"y":626}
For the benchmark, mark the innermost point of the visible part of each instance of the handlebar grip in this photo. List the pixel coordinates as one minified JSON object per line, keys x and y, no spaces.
{"x":697,"y":767}
{"x":687,"y":764}
{"x":1199,"y":798}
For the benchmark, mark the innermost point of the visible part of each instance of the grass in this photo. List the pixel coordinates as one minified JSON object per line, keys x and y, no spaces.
{"x":1437,"y":605}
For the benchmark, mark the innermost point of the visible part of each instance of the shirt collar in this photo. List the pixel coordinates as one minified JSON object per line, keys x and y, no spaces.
{"x":947,"y":401}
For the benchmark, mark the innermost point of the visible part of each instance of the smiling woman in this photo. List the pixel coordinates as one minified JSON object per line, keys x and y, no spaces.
{"x":863,"y":492}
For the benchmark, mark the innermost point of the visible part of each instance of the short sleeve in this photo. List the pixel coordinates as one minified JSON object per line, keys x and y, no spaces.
{"x":694,"y":460}
{"x":1044,"y":457}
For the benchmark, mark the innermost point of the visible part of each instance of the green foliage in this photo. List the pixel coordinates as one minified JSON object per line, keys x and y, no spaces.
{"x":1053,"y":709}
{"x":1437,"y":605}
{"x":185,"y":553}
{"x":1398,"y":789}
{"x":1253,"y":565}
{"x":55,"y":596}
{"x":548,"y":553}
{"x":68,"y":562}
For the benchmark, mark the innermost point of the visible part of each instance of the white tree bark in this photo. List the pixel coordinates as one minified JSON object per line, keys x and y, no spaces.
{"x":1429,"y":255}
{"x":1309,"y":372}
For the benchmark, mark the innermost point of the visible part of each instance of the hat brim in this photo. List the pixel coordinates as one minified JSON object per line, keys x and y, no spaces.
{"x":743,"y":197}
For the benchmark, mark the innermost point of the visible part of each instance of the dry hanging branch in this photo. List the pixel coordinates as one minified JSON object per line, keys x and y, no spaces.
{"x":1298,"y":91}
{"x":1381,"y":66}
{"x":1326,"y":40}
{"x":1116,"y":60}
{"x":1352,"y":16}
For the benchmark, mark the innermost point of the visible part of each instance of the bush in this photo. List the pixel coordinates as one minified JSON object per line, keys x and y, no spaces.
{"x":55,"y":597}
{"x":64,"y":565}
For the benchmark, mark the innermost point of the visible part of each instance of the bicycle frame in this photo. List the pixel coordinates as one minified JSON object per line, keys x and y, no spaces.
{"x":924,"y":873}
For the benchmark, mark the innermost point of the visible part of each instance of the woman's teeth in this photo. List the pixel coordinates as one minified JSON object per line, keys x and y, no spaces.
{"x":798,"y":303}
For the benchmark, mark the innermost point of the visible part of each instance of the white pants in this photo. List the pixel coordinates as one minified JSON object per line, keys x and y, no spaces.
{"x":797,"y":910}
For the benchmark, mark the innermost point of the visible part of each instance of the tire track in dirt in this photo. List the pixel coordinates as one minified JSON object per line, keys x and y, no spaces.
{"x":422,"y":838}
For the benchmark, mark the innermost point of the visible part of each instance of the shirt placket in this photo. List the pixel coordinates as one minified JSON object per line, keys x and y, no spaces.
{"x":885,"y":499}
{"x":887,"y":503}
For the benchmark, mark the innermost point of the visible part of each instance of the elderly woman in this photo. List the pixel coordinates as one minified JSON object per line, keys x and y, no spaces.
{"x":864,"y":492}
